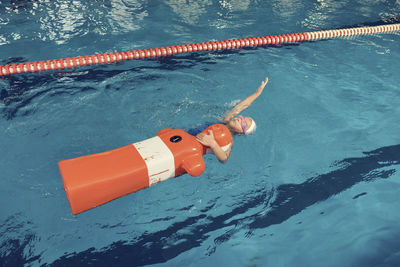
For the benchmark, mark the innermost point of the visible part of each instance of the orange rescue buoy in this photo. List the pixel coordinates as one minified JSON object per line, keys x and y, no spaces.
{"x":93,"y":180}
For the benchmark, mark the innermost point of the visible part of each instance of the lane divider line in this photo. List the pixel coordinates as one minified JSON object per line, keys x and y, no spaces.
{"x":107,"y":58}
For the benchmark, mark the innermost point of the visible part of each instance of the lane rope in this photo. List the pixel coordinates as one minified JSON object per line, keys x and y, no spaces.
{"x":106,"y":58}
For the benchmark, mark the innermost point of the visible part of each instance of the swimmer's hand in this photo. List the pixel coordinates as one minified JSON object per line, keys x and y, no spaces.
{"x":245,"y":103}
{"x":206,"y":139}
{"x":261,"y":87}
{"x":209,"y":140}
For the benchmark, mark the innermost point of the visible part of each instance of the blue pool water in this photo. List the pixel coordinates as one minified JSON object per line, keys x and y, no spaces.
{"x":317,"y":185}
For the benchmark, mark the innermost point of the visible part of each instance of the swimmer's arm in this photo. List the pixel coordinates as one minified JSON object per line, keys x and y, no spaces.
{"x":208,"y":140}
{"x":221,"y":155}
{"x":245,"y":103}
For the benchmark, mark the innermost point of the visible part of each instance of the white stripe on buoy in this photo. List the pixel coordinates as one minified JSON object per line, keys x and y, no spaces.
{"x":158,"y":158}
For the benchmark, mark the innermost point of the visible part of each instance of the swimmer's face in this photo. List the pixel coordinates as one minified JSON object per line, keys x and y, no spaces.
{"x":238,"y":124}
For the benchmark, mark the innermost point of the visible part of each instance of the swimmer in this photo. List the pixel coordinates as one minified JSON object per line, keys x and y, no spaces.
{"x":236,"y":124}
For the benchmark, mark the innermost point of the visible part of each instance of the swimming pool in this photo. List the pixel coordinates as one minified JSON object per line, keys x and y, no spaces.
{"x":317,"y":183}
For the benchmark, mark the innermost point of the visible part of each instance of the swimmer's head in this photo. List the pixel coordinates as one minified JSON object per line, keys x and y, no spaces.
{"x":242,"y":125}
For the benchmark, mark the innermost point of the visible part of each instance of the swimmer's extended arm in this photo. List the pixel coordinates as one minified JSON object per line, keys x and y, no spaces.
{"x":208,"y":140}
{"x":245,"y":103}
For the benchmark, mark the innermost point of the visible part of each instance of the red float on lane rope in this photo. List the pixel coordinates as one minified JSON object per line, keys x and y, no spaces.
{"x":106,"y":58}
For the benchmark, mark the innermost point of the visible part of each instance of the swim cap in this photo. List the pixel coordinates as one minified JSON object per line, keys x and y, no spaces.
{"x":252,"y":128}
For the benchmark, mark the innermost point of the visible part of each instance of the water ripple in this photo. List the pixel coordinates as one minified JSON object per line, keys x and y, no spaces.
{"x":163,"y":245}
